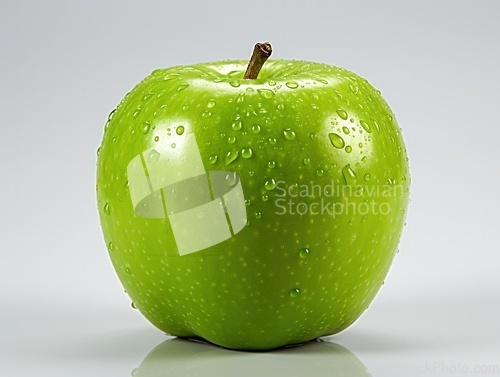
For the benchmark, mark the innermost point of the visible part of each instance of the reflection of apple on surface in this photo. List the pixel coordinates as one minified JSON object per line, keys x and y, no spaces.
{"x":178,"y":357}
{"x":252,"y":212}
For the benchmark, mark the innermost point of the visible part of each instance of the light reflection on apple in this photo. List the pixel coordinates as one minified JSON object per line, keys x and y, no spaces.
{"x":172,"y":182}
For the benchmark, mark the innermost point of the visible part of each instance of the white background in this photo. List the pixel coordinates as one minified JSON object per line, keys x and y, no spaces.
{"x":65,"y":65}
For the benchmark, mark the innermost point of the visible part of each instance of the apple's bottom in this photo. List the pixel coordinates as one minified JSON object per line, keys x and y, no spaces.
{"x":198,"y":339}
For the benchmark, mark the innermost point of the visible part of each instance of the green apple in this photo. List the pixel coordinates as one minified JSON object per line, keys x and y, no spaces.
{"x":252,"y":212}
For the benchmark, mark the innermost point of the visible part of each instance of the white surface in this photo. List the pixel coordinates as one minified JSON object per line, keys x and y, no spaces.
{"x":65,"y":65}
{"x":411,"y":337}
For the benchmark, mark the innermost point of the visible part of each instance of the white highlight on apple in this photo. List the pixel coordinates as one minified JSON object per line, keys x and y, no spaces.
{"x":204,"y":208}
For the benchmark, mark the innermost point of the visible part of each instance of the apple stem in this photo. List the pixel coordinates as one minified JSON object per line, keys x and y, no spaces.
{"x":261,"y":52}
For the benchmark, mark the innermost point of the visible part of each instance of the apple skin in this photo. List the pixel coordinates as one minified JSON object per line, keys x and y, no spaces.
{"x":259,"y":290}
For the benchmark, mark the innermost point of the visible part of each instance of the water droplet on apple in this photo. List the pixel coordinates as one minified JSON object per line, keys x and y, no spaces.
{"x":246,"y":152}
{"x":365,"y":126}
{"x":346,"y":130}
{"x":234,"y":73}
{"x":231,"y":139}
{"x":136,"y":113}
{"x":342,"y":113}
{"x":236,"y":126}
{"x":265,"y":197}
{"x":272,"y":140}
{"x":348,"y":149}
{"x":147,"y":96}
{"x":132,"y":304}
{"x":153,"y":156}
{"x":313,"y":136}
{"x":144,"y":128}
{"x":179,"y":130}
{"x":366,"y":177}
{"x":213,"y":159}
{"x":157,"y":138}
{"x":248,"y":202}
{"x":349,"y":175}
{"x":206,"y":114}
{"x":111,"y":246}
{"x":231,"y":156}
{"x":295,"y":292}
{"x":182,"y":87}
{"x":258,"y":215}
{"x":304,"y":253}
{"x":234,"y":83}
{"x":266,"y":93}
{"x":292,"y":84}
{"x":211,"y":103}
{"x":98,"y":151}
{"x":270,"y":184}
{"x":306,"y":161}
{"x":231,"y":179}
{"x":111,"y":114}
{"x":255,"y":128}
{"x":171,"y":76}
{"x":336,"y":140}
{"x":289,"y":134}
{"x":173,"y":145}
{"x":271,"y":164}
{"x":319,"y":172}
{"x":106,"y":209}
